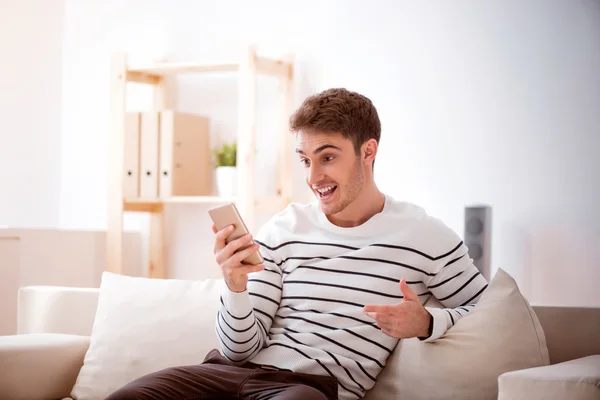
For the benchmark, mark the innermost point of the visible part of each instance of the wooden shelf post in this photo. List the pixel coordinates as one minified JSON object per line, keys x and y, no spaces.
{"x":246,"y":142}
{"x":114,"y":235}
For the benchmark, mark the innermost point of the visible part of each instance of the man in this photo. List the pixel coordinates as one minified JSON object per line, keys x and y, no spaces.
{"x":344,"y":278}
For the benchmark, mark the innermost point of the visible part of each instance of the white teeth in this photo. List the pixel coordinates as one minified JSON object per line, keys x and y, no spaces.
{"x":323,"y":190}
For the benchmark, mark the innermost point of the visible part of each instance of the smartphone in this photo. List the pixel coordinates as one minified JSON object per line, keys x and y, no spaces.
{"x":225,"y":215}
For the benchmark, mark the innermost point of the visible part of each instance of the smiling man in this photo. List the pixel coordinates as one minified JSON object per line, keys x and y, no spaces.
{"x":344,"y":277}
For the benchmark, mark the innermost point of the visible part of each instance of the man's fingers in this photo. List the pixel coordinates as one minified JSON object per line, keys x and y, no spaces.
{"x":408,"y":293}
{"x":214,"y":228}
{"x":242,"y":254}
{"x":387,"y":332}
{"x":221,"y":236}
{"x":380,"y":318}
{"x":376,"y":308}
{"x":235,"y":245}
{"x":244,"y":269}
{"x":254,"y":268}
{"x":235,"y":260}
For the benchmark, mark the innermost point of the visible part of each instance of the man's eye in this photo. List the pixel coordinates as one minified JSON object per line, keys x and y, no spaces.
{"x":328,"y":158}
{"x":304,"y":161}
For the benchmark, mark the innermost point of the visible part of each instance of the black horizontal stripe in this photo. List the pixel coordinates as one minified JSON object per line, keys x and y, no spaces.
{"x":265,"y":282}
{"x":231,"y":327}
{"x":234,"y":341}
{"x":432,"y":258}
{"x":355,"y":258}
{"x":390,"y":246}
{"x":263,"y":313}
{"x":260,"y":323}
{"x":331,"y":355}
{"x":451,"y":317}
{"x":342,"y":329}
{"x":466,"y":309}
{"x":474,"y":297}
{"x":251,"y":348}
{"x":273,"y":271}
{"x":387,"y":278}
{"x":460,"y":288}
{"x":345,"y":369}
{"x":264,"y":297}
{"x":289,"y":282}
{"x":236,"y":361}
{"x":343,"y":246}
{"x":233,"y":316}
{"x":365,"y":371}
{"x":318,"y":361}
{"x":303,"y":259}
{"x":445,"y":281}
{"x":381,"y":260}
{"x":372,"y":324}
{"x":321,"y":299}
{"x":455,"y":260}
{"x":348,"y":348}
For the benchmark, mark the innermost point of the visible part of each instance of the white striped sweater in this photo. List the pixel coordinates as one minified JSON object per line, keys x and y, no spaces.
{"x":304,"y":312}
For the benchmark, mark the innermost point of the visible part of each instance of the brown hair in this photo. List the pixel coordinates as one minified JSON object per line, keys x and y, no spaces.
{"x":339,"y":110}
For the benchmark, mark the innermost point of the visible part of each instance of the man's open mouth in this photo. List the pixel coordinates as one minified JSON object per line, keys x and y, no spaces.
{"x":326,"y":192}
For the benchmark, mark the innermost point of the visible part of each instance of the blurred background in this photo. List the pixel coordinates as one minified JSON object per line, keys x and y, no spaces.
{"x":494,"y":102}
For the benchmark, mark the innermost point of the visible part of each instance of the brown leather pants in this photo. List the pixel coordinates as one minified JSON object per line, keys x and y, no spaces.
{"x":219,"y":378}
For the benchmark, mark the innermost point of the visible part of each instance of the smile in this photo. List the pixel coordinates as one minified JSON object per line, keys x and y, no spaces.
{"x":326,"y":192}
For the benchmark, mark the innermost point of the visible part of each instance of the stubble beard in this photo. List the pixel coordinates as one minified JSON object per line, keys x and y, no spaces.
{"x":352,"y":190}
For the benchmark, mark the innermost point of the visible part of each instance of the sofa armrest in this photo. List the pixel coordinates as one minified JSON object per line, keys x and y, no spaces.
{"x":40,"y":366}
{"x":577,"y":379}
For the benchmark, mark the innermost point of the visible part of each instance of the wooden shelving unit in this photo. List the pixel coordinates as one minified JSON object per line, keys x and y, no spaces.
{"x":246,"y":71}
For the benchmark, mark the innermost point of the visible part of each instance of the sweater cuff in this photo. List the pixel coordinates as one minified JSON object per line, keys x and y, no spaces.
{"x":237,"y":303}
{"x":440,"y":323}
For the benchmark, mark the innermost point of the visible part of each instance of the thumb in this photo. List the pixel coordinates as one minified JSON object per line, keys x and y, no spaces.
{"x":408,"y":293}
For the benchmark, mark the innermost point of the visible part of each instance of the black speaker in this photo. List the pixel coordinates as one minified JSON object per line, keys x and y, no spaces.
{"x":478,"y":231}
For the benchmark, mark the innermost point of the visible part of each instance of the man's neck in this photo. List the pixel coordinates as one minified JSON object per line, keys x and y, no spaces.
{"x":369,"y":203}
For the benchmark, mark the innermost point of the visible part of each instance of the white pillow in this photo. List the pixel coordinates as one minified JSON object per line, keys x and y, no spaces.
{"x":501,"y":334}
{"x":143,"y":325}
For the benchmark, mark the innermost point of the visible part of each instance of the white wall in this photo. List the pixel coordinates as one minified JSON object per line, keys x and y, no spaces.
{"x":494,"y":102}
{"x":30,"y":111}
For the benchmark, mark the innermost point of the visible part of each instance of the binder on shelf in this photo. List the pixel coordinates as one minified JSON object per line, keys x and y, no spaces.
{"x":185,"y":155}
{"x":149,"y":154}
{"x":131,"y":179}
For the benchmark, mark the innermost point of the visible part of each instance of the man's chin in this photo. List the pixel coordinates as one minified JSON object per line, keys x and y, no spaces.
{"x":328,"y":208}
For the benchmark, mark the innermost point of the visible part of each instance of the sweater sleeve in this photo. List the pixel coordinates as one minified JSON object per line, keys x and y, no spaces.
{"x":244,"y":318}
{"x":457,"y":283}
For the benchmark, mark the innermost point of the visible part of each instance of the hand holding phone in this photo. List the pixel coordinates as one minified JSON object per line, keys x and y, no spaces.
{"x":235,"y":251}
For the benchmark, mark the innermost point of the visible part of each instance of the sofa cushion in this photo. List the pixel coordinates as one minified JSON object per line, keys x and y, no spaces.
{"x":501,"y":334}
{"x":143,"y":325}
{"x":574,"y":380}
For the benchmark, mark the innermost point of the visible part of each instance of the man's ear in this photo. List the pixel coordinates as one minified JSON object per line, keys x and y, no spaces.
{"x":369,"y":151}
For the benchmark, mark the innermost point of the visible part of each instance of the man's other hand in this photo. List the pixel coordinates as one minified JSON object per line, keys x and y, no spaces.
{"x":403,"y":320}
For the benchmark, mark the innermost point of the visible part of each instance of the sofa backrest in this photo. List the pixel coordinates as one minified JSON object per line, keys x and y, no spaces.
{"x":571,"y":332}
{"x":56,"y":309}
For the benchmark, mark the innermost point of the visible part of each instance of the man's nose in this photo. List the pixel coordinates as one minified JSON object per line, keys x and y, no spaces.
{"x":314,"y":174}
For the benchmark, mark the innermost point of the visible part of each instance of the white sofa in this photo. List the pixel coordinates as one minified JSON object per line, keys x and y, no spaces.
{"x":54,"y":324}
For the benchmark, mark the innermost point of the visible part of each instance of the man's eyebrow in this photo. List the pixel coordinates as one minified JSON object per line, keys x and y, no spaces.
{"x":320,"y":149}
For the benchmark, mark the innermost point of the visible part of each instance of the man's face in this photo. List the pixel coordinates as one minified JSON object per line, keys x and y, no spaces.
{"x":333,"y":171}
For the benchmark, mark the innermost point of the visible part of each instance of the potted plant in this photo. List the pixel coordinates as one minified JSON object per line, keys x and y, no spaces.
{"x":226,"y":171}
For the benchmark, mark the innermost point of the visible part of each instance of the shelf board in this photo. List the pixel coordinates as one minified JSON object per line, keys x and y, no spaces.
{"x":166,"y":68}
{"x":152,"y":73}
{"x":265,"y":203}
